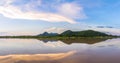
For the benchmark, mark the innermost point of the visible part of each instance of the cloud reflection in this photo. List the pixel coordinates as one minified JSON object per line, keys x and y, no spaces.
{"x":35,"y":57}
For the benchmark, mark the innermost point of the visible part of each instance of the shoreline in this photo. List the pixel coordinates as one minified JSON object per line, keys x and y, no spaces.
{"x":57,"y":37}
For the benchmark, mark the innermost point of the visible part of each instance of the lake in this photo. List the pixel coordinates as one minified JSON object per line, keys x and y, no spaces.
{"x":60,"y":51}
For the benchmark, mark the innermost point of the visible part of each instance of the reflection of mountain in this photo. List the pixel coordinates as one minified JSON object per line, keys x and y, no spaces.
{"x":80,"y":40}
{"x":48,"y":40}
{"x":84,"y":40}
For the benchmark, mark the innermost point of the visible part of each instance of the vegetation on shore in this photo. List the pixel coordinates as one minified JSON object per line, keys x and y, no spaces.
{"x":67,"y":35}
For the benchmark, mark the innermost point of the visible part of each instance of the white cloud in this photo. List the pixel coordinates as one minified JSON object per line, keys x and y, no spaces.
{"x":42,"y":10}
{"x":16,"y":13}
{"x":72,"y":10}
{"x":17,"y":33}
{"x":32,"y":5}
{"x":6,"y":2}
{"x":111,"y":31}
{"x":55,"y":30}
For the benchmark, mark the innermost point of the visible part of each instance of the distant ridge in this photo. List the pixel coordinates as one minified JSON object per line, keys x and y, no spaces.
{"x":85,"y":33}
{"x":48,"y":34}
{"x":69,"y":33}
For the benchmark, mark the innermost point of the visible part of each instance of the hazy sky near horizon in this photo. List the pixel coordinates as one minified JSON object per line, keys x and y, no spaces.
{"x":26,"y":17}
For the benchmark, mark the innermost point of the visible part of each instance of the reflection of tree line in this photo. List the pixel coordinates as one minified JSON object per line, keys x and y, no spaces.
{"x":80,"y":40}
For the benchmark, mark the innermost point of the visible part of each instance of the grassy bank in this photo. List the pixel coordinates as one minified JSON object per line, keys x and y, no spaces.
{"x":56,"y":37}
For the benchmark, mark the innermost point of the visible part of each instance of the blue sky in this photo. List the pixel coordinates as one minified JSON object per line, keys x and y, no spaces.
{"x":31,"y":17}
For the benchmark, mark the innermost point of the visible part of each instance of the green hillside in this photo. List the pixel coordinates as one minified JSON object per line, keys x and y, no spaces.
{"x":86,"y":33}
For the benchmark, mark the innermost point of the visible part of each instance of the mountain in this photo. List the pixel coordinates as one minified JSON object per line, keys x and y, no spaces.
{"x":69,"y":33}
{"x":48,"y":34}
{"x":86,"y":33}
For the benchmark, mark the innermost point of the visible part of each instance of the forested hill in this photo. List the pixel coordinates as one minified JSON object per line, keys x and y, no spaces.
{"x":69,"y":33}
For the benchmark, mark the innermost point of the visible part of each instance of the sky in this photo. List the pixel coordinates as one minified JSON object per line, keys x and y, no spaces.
{"x":32,"y":17}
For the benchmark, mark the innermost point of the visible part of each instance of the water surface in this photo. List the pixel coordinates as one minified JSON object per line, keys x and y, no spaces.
{"x":59,"y":51}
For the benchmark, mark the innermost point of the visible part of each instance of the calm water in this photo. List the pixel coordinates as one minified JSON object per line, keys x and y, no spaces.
{"x":39,"y":51}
